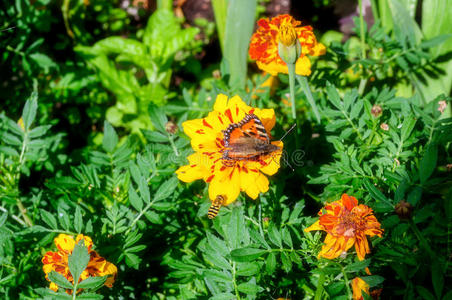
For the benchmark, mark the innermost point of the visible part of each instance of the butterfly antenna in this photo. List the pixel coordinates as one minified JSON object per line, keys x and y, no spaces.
{"x":287,"y":132}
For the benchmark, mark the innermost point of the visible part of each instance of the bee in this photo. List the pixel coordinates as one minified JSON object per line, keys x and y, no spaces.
{"x":215,"y":207}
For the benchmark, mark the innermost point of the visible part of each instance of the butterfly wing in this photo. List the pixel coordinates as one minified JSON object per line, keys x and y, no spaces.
{"x":247,"y":139}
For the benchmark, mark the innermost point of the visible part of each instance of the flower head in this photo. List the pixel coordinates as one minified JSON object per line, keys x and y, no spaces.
{"x":283,"y":29}
{"x":346,"y":224}
{"x":227,"y":159}
{"x":58,"y":261}
{"x":359,"y":286}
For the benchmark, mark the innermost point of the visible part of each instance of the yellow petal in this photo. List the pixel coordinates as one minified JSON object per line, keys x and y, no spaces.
{"x":273,"y":160}
{"x":53,"y":286}
{"x":221,"y":103}
{"x":273,"y":67}
{"x":315,"y":226}
{"x":303,"y":66}
{"x":64,"y":242}
{"x":267,"y":116}
{"x":247,"y":180}
{"x":225,"y":183}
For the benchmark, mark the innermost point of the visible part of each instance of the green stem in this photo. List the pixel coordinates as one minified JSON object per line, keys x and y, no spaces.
{"x":171,"y":140}
{"x":303,"y":81}
{"x":363,"y":81}
{"x":234,"y":282}
{"x":291,"y":68}
{"x":319,"y":290}
{"x":347,"y":284}
{"x":74,"y":291}
{"x":65,"y":11}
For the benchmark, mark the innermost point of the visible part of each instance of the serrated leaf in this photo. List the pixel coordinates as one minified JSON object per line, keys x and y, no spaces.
{"x":246,"y":254}
{"x":357,"y":266}
{"x":78,"y":220}
{"x":78,"y":260}
{"x":248,"y":288}
{"x":134,"y":199}
{"x":29,"y":111}
{"x":92,"y":282}
{"x":274,"y":235}
{"x":166,"y":189}
{"x":60,"y":280}
{"x":110,"y":139}
{"x":270,"y":263}
{"x":49,"y":219}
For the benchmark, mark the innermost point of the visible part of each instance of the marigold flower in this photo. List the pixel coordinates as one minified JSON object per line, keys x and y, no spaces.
{"x":264,"y":44}
{"x":58,"y":261}
{"x":346,"y":224}
{"x":359,"y":286}
{"x":227,"y":177}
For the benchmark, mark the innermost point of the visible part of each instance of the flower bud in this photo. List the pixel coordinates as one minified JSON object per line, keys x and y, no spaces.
{"x":376,"y":111}
{"x":404,"y":210}
{"x":171,"y":127}
{"x":289,"y":47}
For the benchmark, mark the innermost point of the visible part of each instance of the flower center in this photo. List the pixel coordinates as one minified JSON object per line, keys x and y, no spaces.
{"x":287,"y":35}
{"x":349,"y":224}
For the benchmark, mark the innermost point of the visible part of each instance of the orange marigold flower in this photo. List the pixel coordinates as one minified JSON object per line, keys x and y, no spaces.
{"x":359,"y":286}
{"x":228,"y":176}
{"x":346,"y":224}
{"x":264,"y":44}
{"x":58,"y":261}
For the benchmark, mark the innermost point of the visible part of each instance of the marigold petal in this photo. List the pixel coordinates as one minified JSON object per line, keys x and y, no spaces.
{"x":361,"y":247}
{"x":53,"y":286}
{"x":273,"y":161}
{"x":64,"y":243}
{"x":267,"y":116}
{"x":303,"y":66}
{"x":315,"y":226}
{"x":190,"y":173}
{"x":272,"y":67}
{"x":359,"y":286}
{"x":349,"y":201}
{"x":221,"y":103}
{"x":226,"y":184}
{"x":247,"y":180}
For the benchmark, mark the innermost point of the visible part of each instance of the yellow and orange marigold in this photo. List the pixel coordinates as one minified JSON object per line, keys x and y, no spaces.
{"x":346,"y":224}
{"x":227,"y":177}
{"x":264,"y":44}
{"x":58,"y":261}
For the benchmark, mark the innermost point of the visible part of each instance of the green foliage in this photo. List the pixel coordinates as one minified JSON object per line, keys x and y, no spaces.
{"x":153,"y":56}
{"x":94,"y":150}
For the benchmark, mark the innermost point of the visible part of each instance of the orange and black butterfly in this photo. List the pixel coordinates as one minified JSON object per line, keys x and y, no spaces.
{"x":247,"y":140}
{"x":215,"y":207}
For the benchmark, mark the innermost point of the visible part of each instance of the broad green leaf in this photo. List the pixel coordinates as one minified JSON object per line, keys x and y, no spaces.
{"x":158,"y":118}
{"x":29,"y":111}
{"x":219,"y":276}
{"x":60,"y":280}
{"x":110,"y":139}
{"x":248,"y":288}
{"x":425,"y":294}
{"x":246,"y":254}
{"x":270,"y":263}
{"x":239,"y":27}
{"x":274,"y":235}
{"x":373,"y":280}
{"x":428,"y":162}
{"x":166,"y":189}
{"x":78,"y":220}
{"x":92,"y":282}
{"x":78,"y":260}
{"x":357,"y":266}
{"x":134,"y":199}
{"x":49,"y":219}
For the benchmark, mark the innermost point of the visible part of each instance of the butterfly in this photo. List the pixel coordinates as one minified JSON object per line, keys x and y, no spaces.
{"x":247,"y":140}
